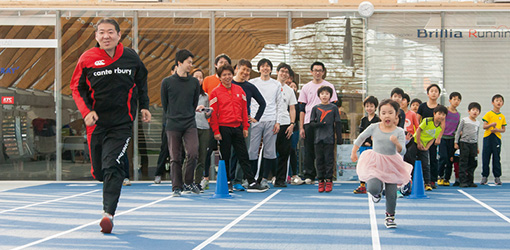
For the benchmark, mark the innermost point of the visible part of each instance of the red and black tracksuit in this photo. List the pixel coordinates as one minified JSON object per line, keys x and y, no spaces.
{"x":111,"y":87}
{"x":230,"y":118}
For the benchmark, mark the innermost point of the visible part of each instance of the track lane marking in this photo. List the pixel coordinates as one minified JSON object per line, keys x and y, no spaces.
{"x":234,"y":222}
{"x":502,"y":216}
{"x":376,"y":243}
{"x":46,"y":202}
{"x":88,"y":224}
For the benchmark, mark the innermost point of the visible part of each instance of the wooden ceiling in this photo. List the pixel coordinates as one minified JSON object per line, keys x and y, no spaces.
{"x":159,"y":39}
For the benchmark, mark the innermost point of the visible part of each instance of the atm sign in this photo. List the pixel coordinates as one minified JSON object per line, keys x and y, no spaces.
{"x":7,"y":99}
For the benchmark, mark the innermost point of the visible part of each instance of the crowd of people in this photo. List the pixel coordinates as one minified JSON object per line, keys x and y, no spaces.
{"x":256,"y":123}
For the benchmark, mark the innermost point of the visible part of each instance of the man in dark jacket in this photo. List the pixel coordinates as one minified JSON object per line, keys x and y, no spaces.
{"x":179,"y":97}
{"x":108,"y":82}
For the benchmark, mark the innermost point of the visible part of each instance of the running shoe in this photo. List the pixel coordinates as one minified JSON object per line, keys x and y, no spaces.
{"x":205,"y":184}
{"x":399,"y":194}
{"x":126,"y":182}
{"x":406,"y":189}
{"x":296,"y":180}
{"x":428,"y":187}
{"x":376,"y":198}
{"x":157,"y":179}
{"x":329,"y":186}
{"x":230,"y":187}
{"x":186,"y":189}
{"x":440,"y":182}
{"x":322,"y":186}
{"x":176,"y":193}
{"x":106,"y":223}
{"x":256,"y":188}
{"x":239,"y":187}
{"x":484,"y":181}
{"x":245,"y":183}
{"x":389,"y":221}
{"x":446,"y":183}
{"x":280,"y":184}
{"x":309,"y":181}
{"x":264,"y":183}
{"x":360,"y":190}
{"x":473,"y":185}
{"x":456,"y":183}
{"x":497,"y":181}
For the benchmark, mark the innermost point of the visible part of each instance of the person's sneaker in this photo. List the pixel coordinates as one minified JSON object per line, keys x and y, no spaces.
{"x":204,"y":184}
{"x":309,"y":181}
{"x":360,"y":190}
{"x":446,"y":183}
{"x":239,"y":187}
{"x":176,"y":193}
{"x":255,"y":188}
{"x":484,"y":181}
{"x":456,"y":183}
{"x":200,"y":188}
{"x":376,"y":198}
{"x":264,"y":183}
{"x":126,"y":182}
{"x":192,"y":188}
{"x":497,"y":181}
{"x":406,"y":189}
{"x":245,"y":183}
{"x":289,"y":180}
{"x":464,"y":185}
{"x":157,"y":179}
{"x":399,"y":194}
{"x":230,"y":187}
{"x":473,"y":185}
{"x":440,"y":182}
{"x":329,"y":186}
{"x":433,"y":185}
{"x":428,"y":187}
{"x":389,"y":221}
{"x":280,"y":184}
{"x":106,"y":223}
{"x":297,"y":181}
{"x":186,"y":189}
{"x":322,"y":187}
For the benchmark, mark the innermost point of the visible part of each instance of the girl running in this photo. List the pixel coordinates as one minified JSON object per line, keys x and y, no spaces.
{"x":383,"y":166}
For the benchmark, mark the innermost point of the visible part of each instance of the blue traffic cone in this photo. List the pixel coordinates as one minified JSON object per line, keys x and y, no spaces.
{"x":417,"y":189}
{"x":221,"y":183}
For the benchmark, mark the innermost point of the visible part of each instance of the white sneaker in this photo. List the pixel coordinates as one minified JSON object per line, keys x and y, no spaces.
{"x":296,"y":180}
{"x":126,"y":182}
{"x":309,"y":181}
{"x":157,"y":179}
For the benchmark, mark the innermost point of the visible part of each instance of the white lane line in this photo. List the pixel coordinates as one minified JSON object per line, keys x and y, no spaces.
{"x":45,"y":202}
{"x":376,"y":243}
{"x":88,"y":224}
{"x":502,"y":216}
{"x":234,"y":222}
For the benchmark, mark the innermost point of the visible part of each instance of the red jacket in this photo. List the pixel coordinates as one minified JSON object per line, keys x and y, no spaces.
{"x":230,"y":109}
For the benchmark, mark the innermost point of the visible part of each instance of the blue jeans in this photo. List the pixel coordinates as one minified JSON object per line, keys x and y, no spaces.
{"x":491,"y":146}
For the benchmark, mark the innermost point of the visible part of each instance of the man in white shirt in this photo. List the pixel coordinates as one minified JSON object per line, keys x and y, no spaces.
{"x":287,"y":111}
{"x":269,"y":124}
{"x":308,"y":98}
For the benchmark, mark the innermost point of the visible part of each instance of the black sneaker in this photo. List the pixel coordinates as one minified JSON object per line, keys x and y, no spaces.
{"x":473,"y":185}
{"x":200,"y":188}
{"x":464,"y":185}
{"x":230,"y":187}
{"x":376,"y":198}
{"x":186,"y":189}
{"x":456,"y":184}
{"x":389,"y":221}
{"x":256,"y":188}
{"x":176,"y":193}
{"x":280,"y":184}
{"x":192,"y":188}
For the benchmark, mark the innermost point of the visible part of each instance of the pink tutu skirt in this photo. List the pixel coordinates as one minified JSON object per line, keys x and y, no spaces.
{"x":387,"y":168}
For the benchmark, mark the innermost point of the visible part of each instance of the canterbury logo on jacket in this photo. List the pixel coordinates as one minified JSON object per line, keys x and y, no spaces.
{"x":110,"y":86}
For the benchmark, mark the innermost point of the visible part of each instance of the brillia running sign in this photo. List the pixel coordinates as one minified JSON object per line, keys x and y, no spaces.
{"x":471,"y":33}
